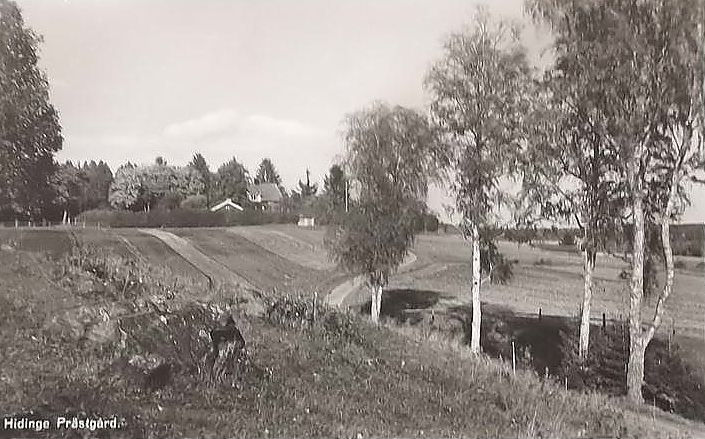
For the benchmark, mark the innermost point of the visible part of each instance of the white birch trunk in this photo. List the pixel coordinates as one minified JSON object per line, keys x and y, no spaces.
{"x":379,"y":302}
{"x":589,"y":266}
{"x":376,"y":291}
{"x":476,"y":311}
{"x":635,"y":367}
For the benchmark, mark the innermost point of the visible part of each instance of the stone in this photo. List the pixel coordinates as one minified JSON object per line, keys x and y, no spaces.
{"x":7,"y":248}
{"x":95,"y":324}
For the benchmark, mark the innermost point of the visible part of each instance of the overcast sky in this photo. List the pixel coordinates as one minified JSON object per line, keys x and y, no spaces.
{"x":135,"y":79}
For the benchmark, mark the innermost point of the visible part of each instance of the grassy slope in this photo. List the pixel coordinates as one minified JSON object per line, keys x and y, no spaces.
{"x":281,"y":240}
{"x":158,"y":253}
{"x":316,"y":383}
{"x":260,"y":267}
{"x":272,"y":346}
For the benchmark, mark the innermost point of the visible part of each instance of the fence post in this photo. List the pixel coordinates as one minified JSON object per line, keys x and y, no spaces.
{"x":17,"y":223}
{"x":539,"y":314}
{"x":604,"y":323}
{"x":514,"y":361}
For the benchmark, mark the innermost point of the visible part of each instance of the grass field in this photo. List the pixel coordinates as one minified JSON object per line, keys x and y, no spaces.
{"x":299,"y":246}
{"x":261,"y":267}
{"x":552,"y":281}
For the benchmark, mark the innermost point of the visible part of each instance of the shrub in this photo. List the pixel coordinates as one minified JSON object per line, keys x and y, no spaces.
{"x":543,"y":261}
{"x":668,"y":381}
{"x":171,"y":201}
{"x":568,"y":239}
{"x":300,"y":312}
{"x":503,"y":271}
{"x":195,"y":202}
{"x":680,"y":264}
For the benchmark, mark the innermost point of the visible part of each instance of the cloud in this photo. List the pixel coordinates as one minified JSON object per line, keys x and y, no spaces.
{"x":229,"y":122}
{"x":279,"y":127}
{"x":211,"y":124}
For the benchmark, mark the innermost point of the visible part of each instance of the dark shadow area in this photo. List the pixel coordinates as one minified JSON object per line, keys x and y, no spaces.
{"x":403,"y":304}
{"x":536,"y":341}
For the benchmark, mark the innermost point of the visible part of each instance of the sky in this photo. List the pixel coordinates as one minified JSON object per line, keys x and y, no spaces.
{"x":137,"y":79}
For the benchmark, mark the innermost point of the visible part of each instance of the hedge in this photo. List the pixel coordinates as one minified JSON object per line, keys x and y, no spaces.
{"x":183,"y":218}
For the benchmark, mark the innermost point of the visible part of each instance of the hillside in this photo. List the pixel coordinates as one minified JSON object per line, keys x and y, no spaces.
{"x":332,"y":376}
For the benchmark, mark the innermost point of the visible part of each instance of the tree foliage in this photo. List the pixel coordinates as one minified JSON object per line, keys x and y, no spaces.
{"x":479,"y":99}
{"x":70,"y":185}
{"x":307,"y":189}
{"x":29,"y":125}
{"x":126,"y":188}
{"x":391,"y":153}
{"x":267,"y":173}
{"x":97,"y":189}
{"x":231,"y":181}
{"x":642,"y":61}
{"x":199,"y":164}
{"x":158,"y":185}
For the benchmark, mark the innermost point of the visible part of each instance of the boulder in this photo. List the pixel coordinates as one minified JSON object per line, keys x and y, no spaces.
{"x":94,"y":324}
{"x":7,"y":248}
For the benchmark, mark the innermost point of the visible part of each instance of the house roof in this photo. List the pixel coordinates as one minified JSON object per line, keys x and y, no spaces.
{"x":226,"y":202}
{"x":268,"y":191}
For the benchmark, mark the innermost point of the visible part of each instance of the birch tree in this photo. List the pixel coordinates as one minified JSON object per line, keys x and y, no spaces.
{"x":647,"y":105}
{"x":569,"y":170}
{"x":392,"y":154}
{"x":478,"y":98}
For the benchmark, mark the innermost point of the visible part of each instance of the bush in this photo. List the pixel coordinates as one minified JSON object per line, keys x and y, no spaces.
{"x":543,"y":261}
{"x":300,"y":312}
{"x":503,"y":271}
{"x":183,"y":218}
{"x":170,"y":201}
{"x":668,"y":381}
{"x":680,"y":264}
{"x":195,"y":202}
{"x":568,"y":239}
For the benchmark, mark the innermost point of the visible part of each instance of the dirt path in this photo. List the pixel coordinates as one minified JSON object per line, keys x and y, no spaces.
{"x":211,"y":268}
{"x":338,"y":295}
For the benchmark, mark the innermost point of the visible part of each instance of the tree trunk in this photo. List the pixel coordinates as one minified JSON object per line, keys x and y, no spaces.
{"x":635,"y":370}
{"x":589,"y":267}
{"x":376,"y":290}
{"x":476,"y":311}
{"x":379,"y":302}
{"x":66,"y":214}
